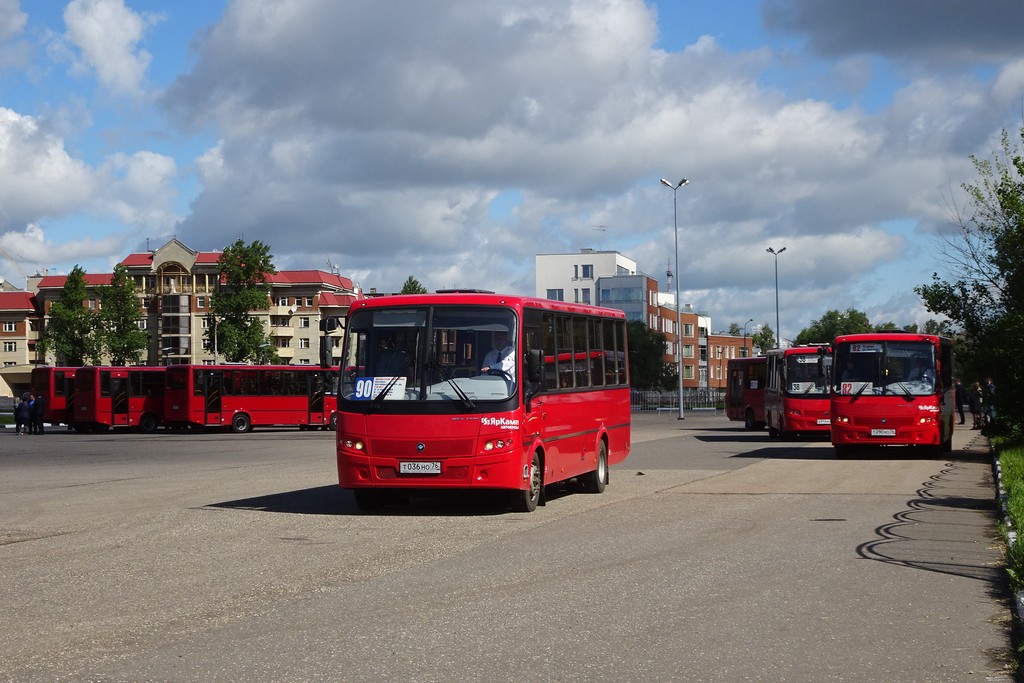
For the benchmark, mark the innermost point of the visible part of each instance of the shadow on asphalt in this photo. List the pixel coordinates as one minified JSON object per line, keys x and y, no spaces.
{"x":332,"y":500}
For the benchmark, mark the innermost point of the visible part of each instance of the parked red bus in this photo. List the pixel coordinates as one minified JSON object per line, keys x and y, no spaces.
{"x":424,"y":404}
{"x":796,"y":395}
{"x":245,"y":396}
{"x":892,"y":389}
{"x":744,"y":390}
{"x":118,"y":396}
{"x":57,"y":387}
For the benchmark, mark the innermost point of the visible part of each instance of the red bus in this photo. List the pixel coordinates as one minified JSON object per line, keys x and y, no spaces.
{"x":425,"y":404}
{"x":744,"y":390}
{"x":892,"y":389}
{"x":245,"y":396}
{"x":796,"y":395}
{"x":57,"y":387}
{"x":118,"y":396}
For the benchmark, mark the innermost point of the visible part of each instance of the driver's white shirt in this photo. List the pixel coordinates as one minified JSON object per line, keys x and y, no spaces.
{"x":508,"y":360}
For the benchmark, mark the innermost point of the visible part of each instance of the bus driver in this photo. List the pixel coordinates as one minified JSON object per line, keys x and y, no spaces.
{"x":501,"y":359}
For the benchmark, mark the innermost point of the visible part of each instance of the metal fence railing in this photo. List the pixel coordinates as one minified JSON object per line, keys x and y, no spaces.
{"x":693,"y":399}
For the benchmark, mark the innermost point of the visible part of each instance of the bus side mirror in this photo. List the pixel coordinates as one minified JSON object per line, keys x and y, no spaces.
{"x":534,"y":365}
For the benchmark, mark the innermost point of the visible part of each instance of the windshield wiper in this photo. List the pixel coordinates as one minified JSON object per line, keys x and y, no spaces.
{"x":379,"y":398}
{"x":907,"y":393}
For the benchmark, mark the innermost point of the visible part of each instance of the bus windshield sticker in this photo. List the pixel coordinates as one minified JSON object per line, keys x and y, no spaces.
{"x":366,"y":388}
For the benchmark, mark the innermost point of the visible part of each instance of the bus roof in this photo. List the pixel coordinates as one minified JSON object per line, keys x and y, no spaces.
{"x":479,"y":298}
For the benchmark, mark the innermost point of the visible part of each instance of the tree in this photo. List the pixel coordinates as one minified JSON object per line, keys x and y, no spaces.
{"x":833,"y":323}
{"x":985,"y":290}
{"x":646,"y":356}
{"x":71,"y":334}
{"x":413,"y":286}
{"x":763,"y":339}
{"x":119,"y":319}
{"x":240,"y":337}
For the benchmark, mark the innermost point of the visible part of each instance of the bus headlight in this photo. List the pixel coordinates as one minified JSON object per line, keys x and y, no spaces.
{"x":492,"y":444}
{"x":841,"y":419}
{"x":353,"y":444}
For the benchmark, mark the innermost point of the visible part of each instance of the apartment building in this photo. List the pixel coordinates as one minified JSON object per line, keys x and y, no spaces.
{"x":175,"y":284}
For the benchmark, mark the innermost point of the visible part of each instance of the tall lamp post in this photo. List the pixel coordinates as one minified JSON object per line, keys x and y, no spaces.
{"x":679,"y":316}
{"x":778,"y":332}
{"x":745,"y":354}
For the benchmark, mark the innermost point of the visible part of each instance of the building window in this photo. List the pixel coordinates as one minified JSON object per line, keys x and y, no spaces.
{"x":585,"y":296}
{"x":309,"y":302}
{"x":143,"y":324}
{"x":687,"y":350}
{"x":200,"y":302}
{"x":10,"y":327}
{"x":10,"y":346}
{"x":687,"y":372}
{"x":282,"y":301}
{"x":279,"y":321}
{"x":303,"y":322}
{"x":303,"y":342}
{"x":284,"y":342}
{"x":556,"y":294}
{"x":687,"y":329}
{"x":588,"y":271}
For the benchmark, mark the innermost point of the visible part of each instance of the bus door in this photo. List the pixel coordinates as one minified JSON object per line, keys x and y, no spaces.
{"x":315,"y":391}
{"x":211,"y":384}
{"x":118,"y":380}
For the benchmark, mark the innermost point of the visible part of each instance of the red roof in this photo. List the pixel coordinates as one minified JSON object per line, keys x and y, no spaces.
{"x":16,"y":301}
{"x":146,"y":258}
{"x":306,"y":277}
{"x":91,"y":280}
{"x":333,"y":299}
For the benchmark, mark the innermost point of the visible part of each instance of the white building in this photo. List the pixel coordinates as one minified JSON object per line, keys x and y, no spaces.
{"x":573,"y":277}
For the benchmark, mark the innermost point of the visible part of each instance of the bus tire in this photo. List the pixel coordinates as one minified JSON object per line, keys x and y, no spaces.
{"x":595,"y":481}
{"x":240,"y":423}
{"x":333,"y":423}
{"x":527,"y":500}
{"x":147,"y":423}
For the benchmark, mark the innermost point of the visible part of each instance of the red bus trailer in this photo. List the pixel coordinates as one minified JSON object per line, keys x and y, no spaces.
{"x":892,"y":389}
{"x":118,"y":396}
{"x":480,"y":391}
{"x":57,"y":387}
{"x":245,"y":396}
{"x":744,"y":390}
{"x":796,"y":395}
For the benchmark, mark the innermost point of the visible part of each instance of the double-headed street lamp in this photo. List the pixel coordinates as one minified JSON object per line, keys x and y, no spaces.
{"x":745,"y":354}
{"x":778,"y":332}
{"x":679,"y":316}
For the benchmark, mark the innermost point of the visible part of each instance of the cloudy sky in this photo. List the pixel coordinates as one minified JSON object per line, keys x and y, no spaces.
{"x":453,"y":140}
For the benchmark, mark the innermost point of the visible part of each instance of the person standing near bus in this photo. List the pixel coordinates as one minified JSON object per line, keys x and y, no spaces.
{"x":38,"y":408}
{"x":960,"y":397}
{"x":23,"y":415}
{"x":501,"y":359}
{"x":974,"y":401}
{"x":990,"y":400}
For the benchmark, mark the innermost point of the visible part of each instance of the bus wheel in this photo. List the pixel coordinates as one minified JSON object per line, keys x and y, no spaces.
{"x":526,"y":501}
{"x":147,"y":423}
{"x":333,"y":424}
{"x":240,"y":423}
{"x":595,"y":481}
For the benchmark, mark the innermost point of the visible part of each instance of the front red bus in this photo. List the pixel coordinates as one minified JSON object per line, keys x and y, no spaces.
{"x":892,"y":389}
{"x":118,"y":396}
{"x":744,"y":390}
{"x":429,"y":402}
{"x":57,"y":387}
{"x":797,"y":398}
{"x":245,"y":396}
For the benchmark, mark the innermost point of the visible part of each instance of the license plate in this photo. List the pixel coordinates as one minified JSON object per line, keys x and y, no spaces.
{"x":825,"y":421}
{"x":419,"y":467}
{"x":883,"y":432}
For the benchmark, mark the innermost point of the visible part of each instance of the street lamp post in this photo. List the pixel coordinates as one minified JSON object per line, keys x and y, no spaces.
{"x":679,"y":316}
{"x":745,"y":354}
{"x":778,"y":332}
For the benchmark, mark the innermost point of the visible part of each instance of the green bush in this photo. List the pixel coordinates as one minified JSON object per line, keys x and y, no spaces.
{"x":1011,"y":462}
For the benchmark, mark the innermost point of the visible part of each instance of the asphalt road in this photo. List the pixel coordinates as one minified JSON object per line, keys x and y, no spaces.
{"x":714,"y":555}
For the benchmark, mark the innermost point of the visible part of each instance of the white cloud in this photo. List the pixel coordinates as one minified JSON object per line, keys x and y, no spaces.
{"x":12,"y":19}
{"x":108,"y":35}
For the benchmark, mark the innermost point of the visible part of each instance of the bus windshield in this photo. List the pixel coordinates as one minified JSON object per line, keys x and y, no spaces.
{"x":430,"y":353}
{"x":885,"y":367}
{"x":804,"y":376}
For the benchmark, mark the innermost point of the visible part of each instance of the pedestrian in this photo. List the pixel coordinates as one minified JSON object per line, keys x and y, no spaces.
{"x":974,"y":397}
{"x":990,"y":400}
{"x":38,"y":410}
{"x":22,"y":415}
{"x":960,"y":396}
